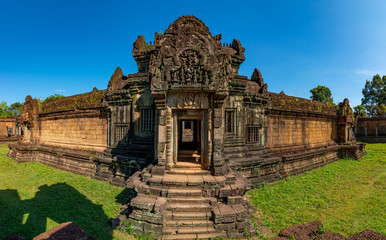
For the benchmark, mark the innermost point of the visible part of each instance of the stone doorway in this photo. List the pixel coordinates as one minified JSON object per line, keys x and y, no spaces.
{"x":189,"y":141}
{"x":190,"y":137}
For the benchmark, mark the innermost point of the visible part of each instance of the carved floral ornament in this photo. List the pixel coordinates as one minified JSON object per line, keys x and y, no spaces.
{"x":187,"y":100}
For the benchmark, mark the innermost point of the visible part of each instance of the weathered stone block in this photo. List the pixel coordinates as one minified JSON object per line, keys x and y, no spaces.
{"x":225,"y":227}
{"x":141,"y":202}
{"x":241,"y":212}
{"x":217,"y":216}
{"x":225,"y":191}
{"x":146,"y":177}
{"x":242,"y":225}
{"x":209,"y":192}
{"x":152,"y":228}
{"x":156,"y":180}
{"x":232,"y":200}
{"x":157,"y":191}
{"x":160,"y":204}
{"x":158,"y":170}
{"x":227,"y":212}
{"x":137,"y":226}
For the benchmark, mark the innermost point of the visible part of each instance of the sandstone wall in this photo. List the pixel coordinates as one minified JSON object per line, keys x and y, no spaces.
{"x":372,"y":130}
{"x":78,"y":122}
{"x":6,"y":122}
{"x":375,"y":126}
{"x":294,"y":130}
{"x":298,"y":123}
{"x":88,"y":133}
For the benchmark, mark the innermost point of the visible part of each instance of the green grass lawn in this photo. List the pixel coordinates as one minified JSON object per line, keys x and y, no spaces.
{"x":349,"y":196}
{"x":35,"y":197}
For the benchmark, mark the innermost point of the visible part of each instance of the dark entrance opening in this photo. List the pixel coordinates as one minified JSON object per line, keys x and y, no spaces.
{"x":189,"y":140}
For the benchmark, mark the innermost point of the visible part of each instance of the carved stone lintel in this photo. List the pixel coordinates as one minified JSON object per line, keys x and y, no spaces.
{"x":188,"y":101}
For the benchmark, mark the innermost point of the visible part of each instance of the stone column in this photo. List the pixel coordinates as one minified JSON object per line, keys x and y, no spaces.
{"x":109,"y":134}
{"x":160,"y":132}
{"x":210,"y":137}
{"x":169,"y":139}
{"x":218,"y":137}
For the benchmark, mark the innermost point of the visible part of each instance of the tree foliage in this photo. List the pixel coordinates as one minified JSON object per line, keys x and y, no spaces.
{"x":360,"y":111}
{"x":4,"y":109}
{"x":53,"y":97}
{"x":13,"y":110}
{"x":16,"y":108}
{"x":322,"y":94}
{"x":374,"y":96}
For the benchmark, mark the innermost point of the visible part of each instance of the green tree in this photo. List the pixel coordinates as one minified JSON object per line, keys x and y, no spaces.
{"x":16,"y":108}
{"x":4,"y":109}
{"x":381,"y":110}
{"x":360,"y":111}
{"x":322,"y":94}
{"x":374,"y":96}
{"x":53,"y":97}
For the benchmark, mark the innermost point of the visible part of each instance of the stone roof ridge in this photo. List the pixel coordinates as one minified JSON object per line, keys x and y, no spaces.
{"x":83,"y":100}
{"x":290,"y":96}
{"x":301,"y":104}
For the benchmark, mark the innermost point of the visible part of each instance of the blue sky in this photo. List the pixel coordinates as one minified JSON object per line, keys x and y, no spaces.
{"x":68,"y":47}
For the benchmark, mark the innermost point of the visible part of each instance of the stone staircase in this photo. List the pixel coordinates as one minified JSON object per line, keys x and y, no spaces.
{"x":188,"y":214}
{"x":189,"y":203}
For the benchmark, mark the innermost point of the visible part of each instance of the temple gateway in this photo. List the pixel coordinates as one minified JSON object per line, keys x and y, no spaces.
{"x":186,"y":133}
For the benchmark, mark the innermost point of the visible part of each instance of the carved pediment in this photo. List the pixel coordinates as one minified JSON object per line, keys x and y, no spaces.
{"x":187,"y":56}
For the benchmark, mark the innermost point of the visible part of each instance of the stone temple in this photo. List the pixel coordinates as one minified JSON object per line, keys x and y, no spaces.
{"x":186,"y":133}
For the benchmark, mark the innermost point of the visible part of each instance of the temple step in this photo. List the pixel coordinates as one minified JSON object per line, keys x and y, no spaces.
{"x":194,"y":236}
{"x":188,"y":152}
{"x":189,"y":223}
{"x":193,"y":200}
{"x":187,"y":181}
{"x":203,"y":215}
{"x":188,"y":230}
{"x":188,"y":156}
{"x":183,"y":192}
{"x":188,"y":207}
{"x":188,"y":165}
{"x":184,"y":171}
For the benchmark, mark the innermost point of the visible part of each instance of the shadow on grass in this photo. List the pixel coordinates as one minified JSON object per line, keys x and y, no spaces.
{"x":125,"y":196}
{"x":58,"y":203}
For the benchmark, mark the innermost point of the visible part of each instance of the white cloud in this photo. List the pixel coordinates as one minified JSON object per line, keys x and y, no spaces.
{"x":60,"y":90}
{"x":366,"y":72}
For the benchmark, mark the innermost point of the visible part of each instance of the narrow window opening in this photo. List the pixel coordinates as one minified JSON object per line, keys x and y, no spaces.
{"x":147,"y":119}
{"x":253,"y":135}
{"x":230,"y":121}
